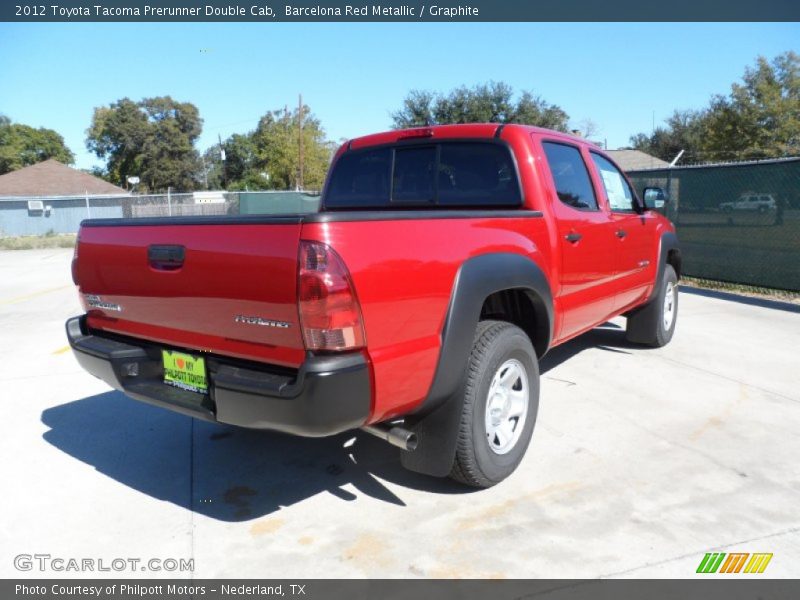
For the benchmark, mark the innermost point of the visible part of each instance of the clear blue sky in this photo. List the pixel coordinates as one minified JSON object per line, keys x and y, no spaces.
{"x":354,"y":75}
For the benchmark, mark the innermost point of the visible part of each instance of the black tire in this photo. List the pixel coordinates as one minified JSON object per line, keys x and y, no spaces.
{"x":495,"y":344}
{"x":646,"y":325}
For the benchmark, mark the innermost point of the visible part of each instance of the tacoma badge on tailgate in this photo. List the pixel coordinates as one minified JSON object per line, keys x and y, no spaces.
{"x":259,"y":321}
{"x":97,"y":302}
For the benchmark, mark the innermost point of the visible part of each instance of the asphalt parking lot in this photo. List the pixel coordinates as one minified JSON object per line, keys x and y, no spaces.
{"x":641,"y":462}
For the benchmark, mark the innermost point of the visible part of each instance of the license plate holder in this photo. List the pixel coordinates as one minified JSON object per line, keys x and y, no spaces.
{"x":185,"y":371}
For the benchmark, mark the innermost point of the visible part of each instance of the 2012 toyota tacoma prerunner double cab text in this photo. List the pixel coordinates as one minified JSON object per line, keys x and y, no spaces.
{"x":443,"y":263}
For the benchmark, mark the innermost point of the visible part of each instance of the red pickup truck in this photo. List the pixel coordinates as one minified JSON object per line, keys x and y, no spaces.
{"x":442,"y":264}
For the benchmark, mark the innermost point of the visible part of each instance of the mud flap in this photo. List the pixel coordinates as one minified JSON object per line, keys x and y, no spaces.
{"x":643,"y":320}
{"x":437,"y":433}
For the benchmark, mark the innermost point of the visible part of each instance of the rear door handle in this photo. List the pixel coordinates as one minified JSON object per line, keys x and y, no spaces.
{"x":573,"y":237}
{"x":621,"y":233}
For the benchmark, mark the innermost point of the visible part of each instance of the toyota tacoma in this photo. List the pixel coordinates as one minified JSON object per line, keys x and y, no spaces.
{"x":441,"y":266}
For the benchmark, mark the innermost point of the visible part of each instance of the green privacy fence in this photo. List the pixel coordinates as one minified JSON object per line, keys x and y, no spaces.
{"x":275,"y":203}
{"x":736,"y":222}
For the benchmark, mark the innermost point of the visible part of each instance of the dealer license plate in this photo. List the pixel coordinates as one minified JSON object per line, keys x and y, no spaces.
{"x":185,"y":371}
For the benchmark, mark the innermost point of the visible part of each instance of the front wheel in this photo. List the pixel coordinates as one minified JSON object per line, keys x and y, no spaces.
{"x":501,"y":399}
{"x":654,"y":324}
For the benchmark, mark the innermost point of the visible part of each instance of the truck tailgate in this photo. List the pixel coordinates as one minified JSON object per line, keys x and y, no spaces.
{"x":220,"y":286}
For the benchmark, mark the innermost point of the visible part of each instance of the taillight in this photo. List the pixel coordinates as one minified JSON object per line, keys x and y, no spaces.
{"x":75,"y":264}
{"x":330,"y":315}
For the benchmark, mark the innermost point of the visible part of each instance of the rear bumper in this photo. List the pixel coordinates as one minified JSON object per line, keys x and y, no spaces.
{"x":327,"y":395}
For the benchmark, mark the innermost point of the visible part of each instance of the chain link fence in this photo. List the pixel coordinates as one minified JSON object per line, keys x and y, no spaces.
{"x":59,"y":214}
{"x":737,"y":222}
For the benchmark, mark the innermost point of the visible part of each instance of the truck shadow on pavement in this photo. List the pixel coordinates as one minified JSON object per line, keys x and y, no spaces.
{"x":235,"y":474}
{"x":608,"y":337}
{"x":225,"y":472}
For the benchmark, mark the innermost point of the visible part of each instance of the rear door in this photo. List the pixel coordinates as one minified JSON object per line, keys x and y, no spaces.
{"x":585,"y":234}
{"x":634,"y":235}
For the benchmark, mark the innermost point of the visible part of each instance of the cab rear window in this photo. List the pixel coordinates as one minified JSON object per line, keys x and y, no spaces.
{"x":452,"y":174}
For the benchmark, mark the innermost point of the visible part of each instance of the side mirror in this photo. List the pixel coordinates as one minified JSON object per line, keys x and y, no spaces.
{"x":654,"y":198}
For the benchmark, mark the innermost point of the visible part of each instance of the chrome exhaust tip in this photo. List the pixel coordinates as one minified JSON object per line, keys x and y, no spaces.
{"x":395,"y":435}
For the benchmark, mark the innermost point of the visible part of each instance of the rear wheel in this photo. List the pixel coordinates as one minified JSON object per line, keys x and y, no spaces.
{"x":501,"y":399}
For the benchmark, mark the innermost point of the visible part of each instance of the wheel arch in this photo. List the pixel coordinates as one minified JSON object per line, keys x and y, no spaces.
{"x":669,"y":253}
{"x":524,"y":308}
{"x":481,"y":282}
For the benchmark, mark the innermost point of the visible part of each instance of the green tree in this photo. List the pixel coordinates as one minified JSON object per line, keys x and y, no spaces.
{"x":240,"y":161}
{"x":417,"y":110}
{"x":211,"y":165}
{"x":491,"y":102}
{"x":269,"y":157}
{"x":684,"y":130}
{"x":117,"y":135}
{"x":22,"y":145}
{"x":153,"y":139}
{"x":759,"y":118}
{"x":533,"y":110}
{"x":240,"y":156}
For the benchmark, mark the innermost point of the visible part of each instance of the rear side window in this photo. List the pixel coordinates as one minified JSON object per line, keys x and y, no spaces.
{"x":361,"y":179}
{"x":573,"y":185}
{"x":453,"y":174}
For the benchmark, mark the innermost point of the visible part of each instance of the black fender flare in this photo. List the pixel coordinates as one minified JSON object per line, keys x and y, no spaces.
{"x":436,"y":420}
{"x":667,"y":243}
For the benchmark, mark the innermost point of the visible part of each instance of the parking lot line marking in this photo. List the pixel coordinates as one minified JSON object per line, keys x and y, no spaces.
{"x":33,"y":295}
{"x":61,"y":350}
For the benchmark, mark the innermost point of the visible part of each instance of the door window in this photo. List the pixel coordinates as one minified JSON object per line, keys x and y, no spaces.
{"x":573,"y":185}
{"x":618,"y":192}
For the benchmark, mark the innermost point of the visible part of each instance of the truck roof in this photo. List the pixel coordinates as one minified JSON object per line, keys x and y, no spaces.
{"x":465,"y":130}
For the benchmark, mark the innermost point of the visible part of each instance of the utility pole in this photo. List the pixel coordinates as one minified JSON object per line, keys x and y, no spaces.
{"x":300,"y":142}
{"x":222,"y":158}
{"x":205,"y":170}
